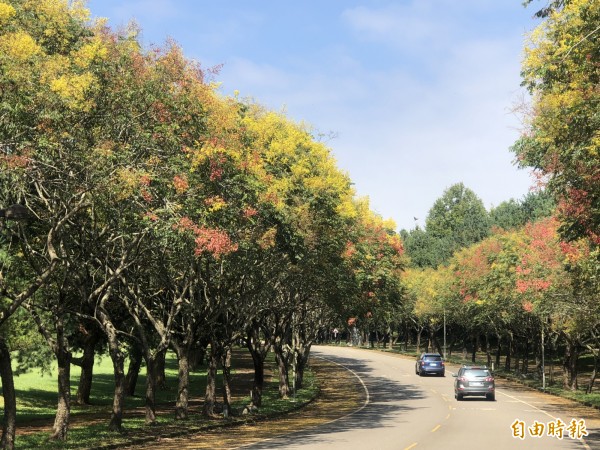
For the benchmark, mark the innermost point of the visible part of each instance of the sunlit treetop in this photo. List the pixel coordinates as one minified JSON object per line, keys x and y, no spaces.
{"x":562,"y":139}
{"x":291,"y":159}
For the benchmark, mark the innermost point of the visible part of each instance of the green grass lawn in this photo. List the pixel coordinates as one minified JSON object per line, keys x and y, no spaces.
{"x":37,"y":392}
{"x":37,"y":399}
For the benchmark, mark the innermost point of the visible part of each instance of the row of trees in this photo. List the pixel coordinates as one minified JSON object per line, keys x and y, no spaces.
{"x":142,"y":211}
{"x":157,"y":214}
{"x":517,"y":276}
{"x":520,"y":291}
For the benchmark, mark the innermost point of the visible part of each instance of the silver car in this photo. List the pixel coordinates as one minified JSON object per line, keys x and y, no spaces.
{"x":474,"y":380}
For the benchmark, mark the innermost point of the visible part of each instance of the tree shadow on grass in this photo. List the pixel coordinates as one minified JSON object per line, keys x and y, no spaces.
{"x":37,"y":407}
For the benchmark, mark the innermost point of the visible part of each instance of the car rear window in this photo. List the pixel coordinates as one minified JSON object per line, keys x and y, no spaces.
{"x":476,"y":373}
{"x":432,"y":358}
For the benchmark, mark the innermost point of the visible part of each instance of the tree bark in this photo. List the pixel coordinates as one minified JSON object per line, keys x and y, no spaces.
{"x":196,"y":356}
{"x":284,"y":382}
{"x":118,"y":360}
{"x":258,"y":360}
{"x":133,"y":370}
{"x":10,"y":399}
{"x":226,"y":365}
{"x":211,"y":376}
{"x":488,"y":351}
{"x":570,"y":365}
{"x":183,"y":389}
{"x":525,"y":362}
{"x":87,"y":369}
{"x":592,"y":381}
{"x":303,"y":353}
{"x":160,"y":362}
{"x":63,"y":410}
{"x":259,"y":351}
{"x":150,"y":404}
{"x":419,"y":332}
{"x":498,"y":350}
{"x":509,"y":351}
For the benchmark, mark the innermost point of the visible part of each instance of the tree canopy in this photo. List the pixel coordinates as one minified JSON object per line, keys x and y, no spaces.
{"x":562,"y":139}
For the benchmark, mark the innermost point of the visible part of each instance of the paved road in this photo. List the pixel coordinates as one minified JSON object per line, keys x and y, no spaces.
{"x":405,"y":411}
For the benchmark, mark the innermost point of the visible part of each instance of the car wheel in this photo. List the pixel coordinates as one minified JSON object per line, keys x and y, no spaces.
{"x":459,"y":397}
{"x":491,"y":397}
{"x":442,"y":374}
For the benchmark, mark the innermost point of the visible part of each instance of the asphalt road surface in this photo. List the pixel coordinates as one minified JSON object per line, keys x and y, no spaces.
{"x":404,"y":411}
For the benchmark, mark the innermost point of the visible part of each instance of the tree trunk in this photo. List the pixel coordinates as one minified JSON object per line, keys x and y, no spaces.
{"x":118,"y":360}
{"x":509,"y":350}
{"x":258,"y":351}
{"x":488,"y":351}
{"x":284,"y":382}
{"x":590,"y":386}
{"x":303,"y":355}
{"x":570,"y":365}
{"x":150,"y":404}
{"x":10,"y":399}
{"x":226,"y":363}
{"x":210,"y":396}
{"x":498,"y":350}
{"x":183,"y":389}
{"x":160,"y":362}
{"x":419,"y":331}
{"x":436,"y":344}
{"x":63,"y":410}
{"x":133,"y":371}
{"x":525,"y":363}
{"x":87,"y":369}
{"x":259,"y":376}
{"x":196,"y":357}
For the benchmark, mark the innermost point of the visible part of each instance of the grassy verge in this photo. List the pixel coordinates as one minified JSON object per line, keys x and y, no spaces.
{"x":36,"y":396}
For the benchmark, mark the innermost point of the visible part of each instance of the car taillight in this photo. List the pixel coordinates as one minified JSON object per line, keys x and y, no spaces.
{"x":489,"y":379}
{"x":462,"y":379}
{"x":422,"y":363}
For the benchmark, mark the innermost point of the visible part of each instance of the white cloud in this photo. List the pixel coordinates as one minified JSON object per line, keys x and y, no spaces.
{"x":402,"y":139}
{"x":408,"y":26}
{"x":418,"y":99}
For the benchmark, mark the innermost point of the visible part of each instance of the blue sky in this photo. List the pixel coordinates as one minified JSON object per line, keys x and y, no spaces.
{"x":413,"y":95}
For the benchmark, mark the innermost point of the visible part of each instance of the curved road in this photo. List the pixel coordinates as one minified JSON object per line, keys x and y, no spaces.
{"x":405,"y":411}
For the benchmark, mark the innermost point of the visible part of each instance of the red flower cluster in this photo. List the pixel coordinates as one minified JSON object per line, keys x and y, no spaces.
{"x":181,"y":184}
{"x":250,"y":212}
{"x":208,"y":240}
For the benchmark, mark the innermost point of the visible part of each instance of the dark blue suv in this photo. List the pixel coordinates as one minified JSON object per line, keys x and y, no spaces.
{"x":430,"y":363}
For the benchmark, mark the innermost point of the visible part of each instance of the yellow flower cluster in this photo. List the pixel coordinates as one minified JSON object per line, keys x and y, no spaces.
{"x":88,"y":53}
{"x":19,"y":46}
{"x":6,"y":12}
{"x":215,"y":203}
{"x":73,"y":89}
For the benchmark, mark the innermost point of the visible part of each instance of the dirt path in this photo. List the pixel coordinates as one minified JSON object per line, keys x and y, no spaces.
{"x":340,"y":395}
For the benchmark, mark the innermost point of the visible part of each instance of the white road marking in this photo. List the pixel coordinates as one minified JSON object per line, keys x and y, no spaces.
{"x":367,"y":399}
{"x":536,"y":409}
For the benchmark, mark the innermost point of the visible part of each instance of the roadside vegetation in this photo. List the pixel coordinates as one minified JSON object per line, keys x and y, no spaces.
{"x":529,"y":377}
{"x":144,"y":214}
{"x":36,"y":394}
